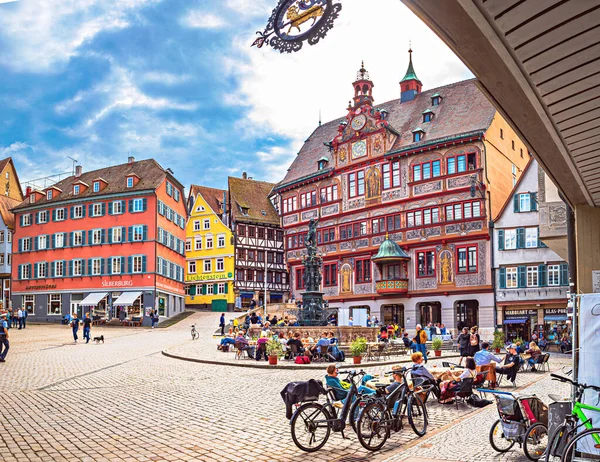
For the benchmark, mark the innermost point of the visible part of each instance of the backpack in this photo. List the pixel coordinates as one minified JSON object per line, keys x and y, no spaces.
{"x":476,"y":401}
{"x":302,"y":360}
{"x":340,"y":356}
{"x":474,"y":341}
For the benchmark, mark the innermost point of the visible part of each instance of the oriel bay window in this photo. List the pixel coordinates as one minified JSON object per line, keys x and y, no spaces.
{"x":308,"y":199}
{"x":356,"y":183}
{"x":329,"y":194}
{"x":426,"y":263}
{"x":346,"y":232}
{"x":467,"y":259}
{"x":363,"y":271}
{"x":391,"y":175}
{"x":360,"y":229}
{"x":427,"y":170}
{"x":330,"y":275}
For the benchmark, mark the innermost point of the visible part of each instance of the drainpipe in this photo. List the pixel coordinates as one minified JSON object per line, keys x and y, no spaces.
{"x":572,"y":255}
{"x":491,"y":229}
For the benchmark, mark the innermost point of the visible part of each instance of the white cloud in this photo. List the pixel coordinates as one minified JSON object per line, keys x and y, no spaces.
{"x":249,"y":8}
{"x":199,"y":19}
{"x":286,"y":91}
{"x":166,"y":78}
{"x":44,"y":33}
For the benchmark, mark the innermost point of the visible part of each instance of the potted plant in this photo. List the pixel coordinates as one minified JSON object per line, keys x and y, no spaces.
{"x":358,"y":347}
{"x":274,"y":350}
{"x":436,"y":344}
{"x":498,"y":342}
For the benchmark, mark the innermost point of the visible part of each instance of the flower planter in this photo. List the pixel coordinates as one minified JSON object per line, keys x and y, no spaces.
{"x":438,"y":352}
{"x":273,"y":360}
{"x":357,"y":359}
{"x":497,"y":350}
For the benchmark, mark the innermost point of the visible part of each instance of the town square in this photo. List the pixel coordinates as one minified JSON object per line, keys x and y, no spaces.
{"x":300,"y":230}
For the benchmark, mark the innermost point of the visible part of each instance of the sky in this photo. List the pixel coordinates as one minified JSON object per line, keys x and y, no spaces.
{"x":177,"y":80}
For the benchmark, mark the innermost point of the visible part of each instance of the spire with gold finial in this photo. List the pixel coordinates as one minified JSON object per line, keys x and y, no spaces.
{"x":410,"y":85}
{"x":363,"y":87}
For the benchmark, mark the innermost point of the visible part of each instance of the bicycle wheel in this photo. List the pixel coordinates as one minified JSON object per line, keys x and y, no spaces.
{"x":536,"y":441}
{"x":417,"y":414}
{"x":556,"y":442}
{"x":373,"y":426}
{"x":584,"y":447}
{"x":497,"y":439}
{"x":310,"y":427}
{"x":354,"y":414}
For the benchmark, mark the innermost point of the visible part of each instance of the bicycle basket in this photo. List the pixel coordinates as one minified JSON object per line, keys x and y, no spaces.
{"x":513,"y":430}
{"x":508,"y":408}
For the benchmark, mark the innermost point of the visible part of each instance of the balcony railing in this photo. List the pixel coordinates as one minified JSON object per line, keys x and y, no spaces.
{"x":392,"y":286}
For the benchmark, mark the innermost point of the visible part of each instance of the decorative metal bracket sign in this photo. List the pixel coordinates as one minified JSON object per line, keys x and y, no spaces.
{"x":295,"y":21}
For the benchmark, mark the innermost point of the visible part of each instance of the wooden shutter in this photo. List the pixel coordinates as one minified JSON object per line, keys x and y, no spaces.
{"x":564,"y":274}
{"x":110,"y":208}
{"x":90,"y":240}
{"x":144,"y":204}
{"x":130,"y":265}
{"x":130,"y":205}
{"x":516,"y":203}
{"x":226,"y":287}
{"x":90,"y":261}
{"x":542,"y":276}
{"x":70,"y":268}
{"x":110,"y":231}
{"x":522,"y":276}
{"x":103,"y":209}
{"x":520,"y":238}
{"x":145,"y":233}
{"x":192,"y":290}
{"x":144,"y":264}
{"x":130,"y":234}
{"x":533,"y":201}
{"x":500,"y":239}
{"x":502,"y":278}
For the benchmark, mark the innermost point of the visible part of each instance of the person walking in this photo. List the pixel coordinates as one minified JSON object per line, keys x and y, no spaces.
{"x":20,"y":316}
{"x":222,"y":323}
{"x":420,"y":342}
{"x":9,"y":317}
{"x":25,"y":314}
{"x":75,"y":326}
{"x":4,"y":345}
{"x":15,"y":319}
{"x":155,"y":319}
{"x":87,"y":326}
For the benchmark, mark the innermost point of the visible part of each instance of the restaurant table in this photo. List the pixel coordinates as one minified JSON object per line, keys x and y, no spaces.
{"x":383,"y":380}
{"x":445,"y":373}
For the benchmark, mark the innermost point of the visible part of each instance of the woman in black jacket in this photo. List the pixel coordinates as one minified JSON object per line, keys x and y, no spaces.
{"x":463,"y":344}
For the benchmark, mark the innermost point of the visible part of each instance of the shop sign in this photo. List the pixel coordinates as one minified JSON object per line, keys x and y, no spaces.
{"x":107,"y":283}
{"x":555,"y":311}
{"x":596,"y":282}
{"x":178,"y":290}
{"x":519,"y":313}
{"x":209,"y":277}
{"x":41,"y":287}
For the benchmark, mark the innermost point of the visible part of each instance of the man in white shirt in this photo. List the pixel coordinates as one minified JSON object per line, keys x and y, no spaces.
{"x":20,"y":316}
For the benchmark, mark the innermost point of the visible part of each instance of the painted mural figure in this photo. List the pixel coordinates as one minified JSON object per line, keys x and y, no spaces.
{"x":446,"y":268}
{"x":373,"y":183}
{"x":346,"y":275}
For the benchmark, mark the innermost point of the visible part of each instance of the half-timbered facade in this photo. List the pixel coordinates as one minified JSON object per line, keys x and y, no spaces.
{"x":414,"y":170}
{"x":259,"y":250}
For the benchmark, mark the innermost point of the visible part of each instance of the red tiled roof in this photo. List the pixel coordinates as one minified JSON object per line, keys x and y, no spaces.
{"x":212,"y":196}
{"x":464,"y":109}
{"x":254,"y":196}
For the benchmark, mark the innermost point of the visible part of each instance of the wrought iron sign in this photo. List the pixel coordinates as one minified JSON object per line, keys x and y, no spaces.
{"x":294,"y":22}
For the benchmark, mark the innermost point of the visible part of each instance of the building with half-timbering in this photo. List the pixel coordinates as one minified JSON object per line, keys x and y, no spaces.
{"x":427,"y":171}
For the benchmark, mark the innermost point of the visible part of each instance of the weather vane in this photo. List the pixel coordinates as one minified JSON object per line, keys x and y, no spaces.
{"x":294,"y":22}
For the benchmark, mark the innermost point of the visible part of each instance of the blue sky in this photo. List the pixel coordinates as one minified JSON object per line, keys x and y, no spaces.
{"x":177,"y":80}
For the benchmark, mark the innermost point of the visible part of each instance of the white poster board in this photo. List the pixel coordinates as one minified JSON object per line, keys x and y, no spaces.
{"x":343,"y":316}
{"x":596,"y":282}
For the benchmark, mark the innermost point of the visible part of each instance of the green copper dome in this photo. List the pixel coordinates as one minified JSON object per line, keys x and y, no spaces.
{"x":389,"y":250}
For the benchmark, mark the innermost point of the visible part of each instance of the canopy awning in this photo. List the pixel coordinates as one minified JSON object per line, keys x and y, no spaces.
{"x":247,"y":295}
{"x":515,"y":321}
{"x":555,"y":317}
{"x":127,"y":298}
{"x":93,"y":299}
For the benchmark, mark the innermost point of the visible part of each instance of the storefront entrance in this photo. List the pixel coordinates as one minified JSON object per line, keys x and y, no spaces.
{"x":430,"y":312}
{"x":467,"y":313}
{"x":519,"y":324}
{"x":392,"y":314}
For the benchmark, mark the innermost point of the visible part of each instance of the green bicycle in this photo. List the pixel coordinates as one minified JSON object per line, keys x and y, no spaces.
{"x":566,"y":444}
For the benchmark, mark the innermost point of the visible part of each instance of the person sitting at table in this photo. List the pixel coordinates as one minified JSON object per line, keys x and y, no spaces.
{"x":543,"y":344}
{"x":242,"y":341}
{"x":266,"y":330}
{"x":511,"y":364}
{"x":260,"y":349}
{"x":418,"y":368}
{"x":295,"y":340}
{"x":225,"y":341}
{"x":322,"y":346}
{"x":448,"y":387}
{"x":408,"y":343}
{"x":484,"y":356}
{"x":534,"y":351}
{"x":281,"y":338}
{"x":383,"y":336}
{"x":307,"y":340}
{"x":565,"y":344}
{"x":519,"y":348}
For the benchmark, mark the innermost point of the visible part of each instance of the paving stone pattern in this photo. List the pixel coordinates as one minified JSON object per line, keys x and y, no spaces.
{"x":123,"y":400}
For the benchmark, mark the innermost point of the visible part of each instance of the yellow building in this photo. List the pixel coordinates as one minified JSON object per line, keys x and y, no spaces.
{"x":209,"y":251}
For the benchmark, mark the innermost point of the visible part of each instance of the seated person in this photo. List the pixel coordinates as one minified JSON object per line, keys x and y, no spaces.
{"x":254,"y":319}
{"x":397,"y":377}
{"x":266,"y":330}
{"x":519,"y":348}
{"x":565,"y":345}
{"x":333,"y":348}
{"x":322,"y":345}
{"x":534,"y":351}
{"x":225,"y":341}
{"x":383,"y":336}
{"x":418,"y":368}
{"x":484,"y":356}
{"x":448,"y":388}
{"x":307,"y":340}
{"x":260,"y":350}
{"x":543,"y":344}
{"x":274,"y":320}
{"x":511,"y":364}
{"x":340,"y":388}
{"x":408,"y":343}
{"x":295,"y":340}
{"x":242,"y":341}
{"x":282,"y":340}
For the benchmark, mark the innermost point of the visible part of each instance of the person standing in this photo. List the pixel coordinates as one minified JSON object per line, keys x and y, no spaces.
{"x":421,"y":342}
{"x":222,"y":323}
{"x":75,"y":326}
{"x":474,"y":341}
{"x":25,"y":314}
{"x":9,"y":317}
{"x":15,"y":319}
{"x":87,"y":326}
{"x":155,"y":319}
{"x":4,"y":345}
{"x":463,"y":344}
{"x":20,"y":316}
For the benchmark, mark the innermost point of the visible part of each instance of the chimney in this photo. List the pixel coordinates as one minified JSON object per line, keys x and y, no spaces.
{"x":130,"y":160}
{"x":78,"y":171}
{"x":244,"y":175}
{"x":28,"y":191}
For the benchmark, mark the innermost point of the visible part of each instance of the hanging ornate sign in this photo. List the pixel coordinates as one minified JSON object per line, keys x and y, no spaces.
{"x":296,"y":21}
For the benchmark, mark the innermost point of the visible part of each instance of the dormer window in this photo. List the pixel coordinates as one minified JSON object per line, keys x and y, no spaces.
{"x":427,"y":115}
{"x":130,"y":182}
{"x":49,"y":195}
{"x":436,"y":99}
{"x":32,"y":198}
{"x":418,"y":134}
{"x":76,"y":190}
{"x":322,"y":162}
{"x":96,"y":186}
{"x":245,"y":210}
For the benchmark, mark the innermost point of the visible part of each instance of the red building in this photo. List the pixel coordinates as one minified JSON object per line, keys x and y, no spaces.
{"x":110,"y":241}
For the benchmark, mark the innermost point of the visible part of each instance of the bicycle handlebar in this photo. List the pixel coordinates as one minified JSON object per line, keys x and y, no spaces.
{"x":577,"y":384}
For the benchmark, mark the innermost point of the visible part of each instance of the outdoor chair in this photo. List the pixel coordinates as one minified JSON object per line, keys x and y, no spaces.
{"x":544,"y":365}
{"x":294,"y":352}
{"x":480,"y":379}
{"x":501,"y":375}
{"x":382,"y":350}
{"x":455,"y":346}
{"x":324,"y":356}
{"x":239,"y":351}
{"x":464,"y":391}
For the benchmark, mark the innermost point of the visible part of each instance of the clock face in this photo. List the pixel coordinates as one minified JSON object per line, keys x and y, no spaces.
{"x":359,"y":122}
{"x":359,"y":149}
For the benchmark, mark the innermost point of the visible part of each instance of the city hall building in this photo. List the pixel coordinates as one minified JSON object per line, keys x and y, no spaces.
{"x":110,"y":242}
{"x":403,"y":196}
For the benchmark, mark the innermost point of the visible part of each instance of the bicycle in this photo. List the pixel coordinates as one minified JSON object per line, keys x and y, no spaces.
{"x":314,"y":422}
{"x":383,"y":414}
{"x":195,"y":334}
{"x":566,"y":444}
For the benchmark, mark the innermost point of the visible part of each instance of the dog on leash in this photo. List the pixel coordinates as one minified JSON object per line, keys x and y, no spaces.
{"x":99,"y":339}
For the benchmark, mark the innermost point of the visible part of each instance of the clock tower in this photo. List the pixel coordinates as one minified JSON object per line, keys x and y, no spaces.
{"x":363,"y":88}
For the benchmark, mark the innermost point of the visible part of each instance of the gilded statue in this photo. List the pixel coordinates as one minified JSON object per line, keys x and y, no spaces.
{"x":446,"y":264}
{"x":346,"y":277}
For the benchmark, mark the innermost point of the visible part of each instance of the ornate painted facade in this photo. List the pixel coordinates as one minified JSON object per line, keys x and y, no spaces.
{"x":414,"y":170}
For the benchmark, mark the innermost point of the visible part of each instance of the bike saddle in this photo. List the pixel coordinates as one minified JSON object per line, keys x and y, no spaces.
{"x":556,"y":398}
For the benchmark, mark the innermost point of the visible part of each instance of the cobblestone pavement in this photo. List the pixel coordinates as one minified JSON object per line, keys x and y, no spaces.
{"x":124,"y":400}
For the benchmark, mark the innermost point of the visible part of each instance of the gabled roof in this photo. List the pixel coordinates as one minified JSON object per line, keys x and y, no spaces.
{"x":6,"y":205}
{"x":465,"y":109}
{"x":509,"y":199}
{"x":254,"y":196}
{"x":150,"y":172}
{"x":212,"y":196}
